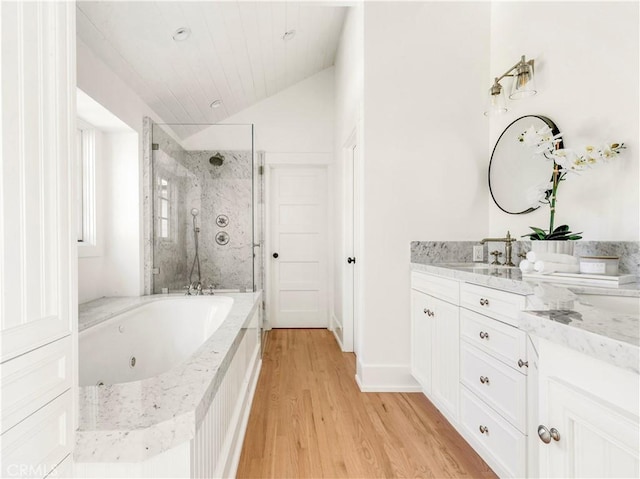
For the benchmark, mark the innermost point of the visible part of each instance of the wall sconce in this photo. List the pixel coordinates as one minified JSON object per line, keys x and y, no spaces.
{"x":522,"y":86}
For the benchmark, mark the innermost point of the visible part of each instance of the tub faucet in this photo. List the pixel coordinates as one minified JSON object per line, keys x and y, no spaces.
{"x":508,"y":248}
{"x":193,"y":288}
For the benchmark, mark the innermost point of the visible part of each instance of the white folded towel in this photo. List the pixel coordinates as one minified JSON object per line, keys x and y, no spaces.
{"x":553,"y":257}
{"x":547,"y":267}
{"x":526,"y":266}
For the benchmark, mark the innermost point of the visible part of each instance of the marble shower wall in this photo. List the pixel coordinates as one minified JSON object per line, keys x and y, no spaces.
{"x":222,"y":191}
{"x":214,"y":190}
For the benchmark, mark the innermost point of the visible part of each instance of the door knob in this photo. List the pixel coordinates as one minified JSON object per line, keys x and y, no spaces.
{"x":351,"y":260}
{"x":275,"y":255}
{"x":546,"y":435}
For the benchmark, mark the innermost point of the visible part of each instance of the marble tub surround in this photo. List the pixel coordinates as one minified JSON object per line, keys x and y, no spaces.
{"x":612,"y":337}
{"x":99,"y":310}
{"x":130,"y":422}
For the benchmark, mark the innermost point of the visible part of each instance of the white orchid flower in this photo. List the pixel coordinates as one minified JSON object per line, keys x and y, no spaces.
{"x":565,"y":157}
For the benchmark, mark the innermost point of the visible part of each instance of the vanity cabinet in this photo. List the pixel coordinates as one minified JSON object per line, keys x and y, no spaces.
{"x":435,"y":340}
{"x":529,"y":406}
{"x":590,"y":409}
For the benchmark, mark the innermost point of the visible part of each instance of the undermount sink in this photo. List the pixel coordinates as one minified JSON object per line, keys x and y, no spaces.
{"x":617,"y":304}
{"x":477,"y":266}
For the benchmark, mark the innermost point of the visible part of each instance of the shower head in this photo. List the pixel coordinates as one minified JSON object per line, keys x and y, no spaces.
{"x":216,"y":160}
{"x":194,"y":212}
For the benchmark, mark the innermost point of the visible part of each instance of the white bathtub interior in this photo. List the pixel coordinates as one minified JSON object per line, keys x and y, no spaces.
{"x":148,"y":340}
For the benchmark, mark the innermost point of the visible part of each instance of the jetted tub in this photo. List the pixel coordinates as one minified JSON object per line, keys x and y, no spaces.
{"x":181,"y":409}
{"x":150,"y":339}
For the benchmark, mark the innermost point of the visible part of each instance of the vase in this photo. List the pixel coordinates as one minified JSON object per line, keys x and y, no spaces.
{"x":547,"y":246}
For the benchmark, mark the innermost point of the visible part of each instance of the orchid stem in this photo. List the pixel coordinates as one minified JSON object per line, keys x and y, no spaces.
{"x":552,"y":205}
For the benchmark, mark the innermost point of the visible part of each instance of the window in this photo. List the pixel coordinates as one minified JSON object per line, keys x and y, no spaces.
{"x":164,"y":208}
{"x":86,"y":185}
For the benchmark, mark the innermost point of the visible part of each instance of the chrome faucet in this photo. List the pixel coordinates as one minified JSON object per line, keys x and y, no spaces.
{"x":194,"y":288}
{"x":508,"y":248}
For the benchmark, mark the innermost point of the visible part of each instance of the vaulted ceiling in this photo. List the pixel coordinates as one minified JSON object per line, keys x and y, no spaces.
{"x":235,"y":53}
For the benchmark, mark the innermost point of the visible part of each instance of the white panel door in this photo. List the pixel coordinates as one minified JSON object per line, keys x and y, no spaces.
{"x":298,"y":256}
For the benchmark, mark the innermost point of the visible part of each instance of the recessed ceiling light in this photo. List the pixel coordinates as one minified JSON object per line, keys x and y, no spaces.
{"x":215,"y":104}
{"x":181,"y":34}
{"x":288,"y":35}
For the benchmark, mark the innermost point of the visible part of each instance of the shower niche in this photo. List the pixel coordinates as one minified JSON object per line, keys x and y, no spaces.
{"x":205,"y":215}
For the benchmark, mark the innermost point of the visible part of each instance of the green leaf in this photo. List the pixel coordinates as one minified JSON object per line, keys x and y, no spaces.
{"x":539,"y":231}
{"x":561,"y":228}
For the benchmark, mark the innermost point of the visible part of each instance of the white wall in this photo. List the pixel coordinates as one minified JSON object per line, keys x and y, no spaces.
{"x":425,"y":142}
{"x":586,"y":56}
{"x":102,"y":85}
{"x":297,"y":119}
{"x":349,"y":87}
{"x":109,"y":272}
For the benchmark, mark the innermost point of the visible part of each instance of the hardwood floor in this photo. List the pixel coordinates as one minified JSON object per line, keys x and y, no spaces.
{"x":309,"y":419}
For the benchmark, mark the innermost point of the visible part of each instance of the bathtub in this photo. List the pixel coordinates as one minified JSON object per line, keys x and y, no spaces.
{"x":181,"y":408}
{"x":148,"y":340}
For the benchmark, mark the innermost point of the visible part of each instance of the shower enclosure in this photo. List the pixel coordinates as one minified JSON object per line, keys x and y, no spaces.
{"x":206,"y":229}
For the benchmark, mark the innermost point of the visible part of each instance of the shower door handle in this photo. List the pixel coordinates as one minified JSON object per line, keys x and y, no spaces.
{"x":275,"y":255}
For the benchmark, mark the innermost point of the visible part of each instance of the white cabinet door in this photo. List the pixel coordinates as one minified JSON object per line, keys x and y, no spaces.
{"x":434,"y":351}
{"x":445,"y":358}
{"x":421,"y":334}
{"x":596,"y":439}
{"x":38,"y":114}
{"x":38,"y":269}
{"x":593,"y":406}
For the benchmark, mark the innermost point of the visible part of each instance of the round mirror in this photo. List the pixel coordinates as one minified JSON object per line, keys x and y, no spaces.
{"x":514,"y":173}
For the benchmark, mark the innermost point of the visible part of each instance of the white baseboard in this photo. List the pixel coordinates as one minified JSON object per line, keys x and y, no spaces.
{"x":385,"y":378}
{"x":233,"y":459}
{"x":335,"y":327}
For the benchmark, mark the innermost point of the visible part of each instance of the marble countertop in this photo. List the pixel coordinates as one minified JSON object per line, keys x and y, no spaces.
{"x":131,"y":422}
{"x":610,"y":336}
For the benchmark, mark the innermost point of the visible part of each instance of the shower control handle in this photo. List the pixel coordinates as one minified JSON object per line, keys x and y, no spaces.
{"x":275,"y":255}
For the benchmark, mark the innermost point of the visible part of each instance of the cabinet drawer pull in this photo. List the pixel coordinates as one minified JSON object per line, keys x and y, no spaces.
{"x":523,"y":363}
{"x":484,"y":335}
{"x":426,"y":311}
{"x":429,"y":313}
{"x":484,"y":430}
{"x":484,"y":380}
{"x":546,"y":435}
{"x":484,"y":302}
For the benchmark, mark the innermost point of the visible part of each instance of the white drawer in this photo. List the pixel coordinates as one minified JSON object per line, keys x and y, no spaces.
{"x":504,"y":342}
{"x":32,"y":380}
{"x":445,"y":289}
{"x":501,"y":387}
{"x":36,"y":445}
{"x":501,"y":445}
{"x":492,"y":302}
